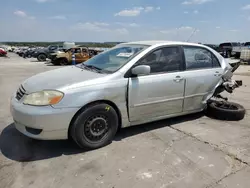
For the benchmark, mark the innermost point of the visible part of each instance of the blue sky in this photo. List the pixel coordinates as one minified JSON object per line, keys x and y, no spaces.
{"x":206,"y":21}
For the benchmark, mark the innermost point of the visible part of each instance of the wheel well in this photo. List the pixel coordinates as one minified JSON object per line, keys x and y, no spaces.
{"x":93,"y":103}
{"x":42,"y":54}
{"x":62,"y":58}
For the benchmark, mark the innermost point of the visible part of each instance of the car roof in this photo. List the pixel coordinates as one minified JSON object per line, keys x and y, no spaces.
{"x":163,"y":42}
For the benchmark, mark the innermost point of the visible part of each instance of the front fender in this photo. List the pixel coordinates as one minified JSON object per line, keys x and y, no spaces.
{"x":80,"y":97}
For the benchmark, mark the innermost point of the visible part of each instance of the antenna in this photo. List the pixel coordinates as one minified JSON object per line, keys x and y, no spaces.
{"x":191,"y":35}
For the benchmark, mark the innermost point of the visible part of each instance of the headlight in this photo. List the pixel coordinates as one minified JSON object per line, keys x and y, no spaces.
{"x":43,"y":98}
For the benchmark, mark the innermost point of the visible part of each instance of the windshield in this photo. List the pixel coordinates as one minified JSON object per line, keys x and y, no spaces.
{"x":113,"y":59}
{"x":235,"y":44}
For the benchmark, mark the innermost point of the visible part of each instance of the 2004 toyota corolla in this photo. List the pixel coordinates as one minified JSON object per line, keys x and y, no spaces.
{"x":130,"y":84}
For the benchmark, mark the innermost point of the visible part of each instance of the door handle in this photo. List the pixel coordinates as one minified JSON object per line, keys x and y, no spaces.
{"x":217,"y":73}
{"x":178,"y":79}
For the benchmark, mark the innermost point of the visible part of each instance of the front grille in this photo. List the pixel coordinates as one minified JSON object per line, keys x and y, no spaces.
{"x":52,"y":57}
{"x":20,"y":93}
{"x":33,"y":130}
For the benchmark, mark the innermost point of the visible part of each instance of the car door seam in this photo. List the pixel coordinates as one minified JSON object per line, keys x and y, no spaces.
{"x":159,"y":101}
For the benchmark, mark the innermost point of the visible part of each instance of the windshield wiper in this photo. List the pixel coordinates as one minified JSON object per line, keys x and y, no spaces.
{"x":92,"y":67}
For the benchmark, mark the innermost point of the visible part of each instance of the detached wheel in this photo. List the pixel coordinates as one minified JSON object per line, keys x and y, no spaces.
{"x":226,"y":110}
{"x":41,"y":57}
{"x":95,"y":126}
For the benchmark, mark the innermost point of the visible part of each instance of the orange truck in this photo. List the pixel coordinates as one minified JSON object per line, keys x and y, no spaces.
{"x":65,"y":57}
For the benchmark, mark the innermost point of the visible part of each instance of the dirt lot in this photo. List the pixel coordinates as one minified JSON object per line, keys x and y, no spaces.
{"x":188,"y":152}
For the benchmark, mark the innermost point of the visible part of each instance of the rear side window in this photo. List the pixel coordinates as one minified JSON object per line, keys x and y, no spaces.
{"x":216,"y":62}
{"x":199,"y":58}
{"x":77,"y":50}
{"x":235,"y":44}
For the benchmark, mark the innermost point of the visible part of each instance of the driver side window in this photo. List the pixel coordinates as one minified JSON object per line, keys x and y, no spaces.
{"x":77,"y":50}
{"x":167,"y":59}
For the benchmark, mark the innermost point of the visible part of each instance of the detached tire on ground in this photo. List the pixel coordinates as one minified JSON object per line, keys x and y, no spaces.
{"x":226,"y":111}
{"x":95,"y":126}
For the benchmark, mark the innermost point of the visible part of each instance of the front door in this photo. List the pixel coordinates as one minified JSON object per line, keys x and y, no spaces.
{"x":162,"y":92}
{"x":78,"y":55}
{"x":84,"y":55}
{"x":203,"y":73}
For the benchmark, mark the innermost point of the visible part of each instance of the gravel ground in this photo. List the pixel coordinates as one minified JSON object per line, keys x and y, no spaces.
{"x":192,"y":151}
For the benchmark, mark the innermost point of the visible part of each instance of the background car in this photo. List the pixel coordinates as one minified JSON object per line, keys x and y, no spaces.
{"x":42,"y":54}
{"x":2,"y":52}
{"x":225,"y":49}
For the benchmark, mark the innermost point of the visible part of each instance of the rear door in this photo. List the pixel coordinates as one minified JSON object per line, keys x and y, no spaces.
{"x":203,"y":73}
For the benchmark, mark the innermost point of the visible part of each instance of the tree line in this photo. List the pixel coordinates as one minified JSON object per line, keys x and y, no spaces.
{"x":44,"y":44}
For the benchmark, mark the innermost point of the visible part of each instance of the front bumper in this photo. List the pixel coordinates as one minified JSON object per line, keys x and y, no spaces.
{"x":52,"y":57}
{"x":34,"y":55}
{"x":43,"y":123}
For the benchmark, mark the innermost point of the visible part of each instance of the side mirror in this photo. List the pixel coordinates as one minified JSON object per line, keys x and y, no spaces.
{"x":141,"y":70}
{"x":200,"y":57}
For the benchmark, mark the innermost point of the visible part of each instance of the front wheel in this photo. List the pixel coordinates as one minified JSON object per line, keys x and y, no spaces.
{"x":63,"y":61}
{"x":41,"y":57}
{"x":95,"y":127}
{"x":224,"y":110}
{"x":55,"y":62}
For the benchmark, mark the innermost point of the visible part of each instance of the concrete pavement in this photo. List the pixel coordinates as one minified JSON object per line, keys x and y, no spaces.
{"x":193,"y":151}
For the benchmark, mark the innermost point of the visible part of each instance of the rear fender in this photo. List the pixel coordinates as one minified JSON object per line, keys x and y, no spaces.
{"x":228,"y":84}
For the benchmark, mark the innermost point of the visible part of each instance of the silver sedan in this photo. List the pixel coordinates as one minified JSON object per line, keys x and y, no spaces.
{"x":130,"y":84}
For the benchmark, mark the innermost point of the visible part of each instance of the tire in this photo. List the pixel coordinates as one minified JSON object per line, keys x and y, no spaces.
{"x":56,"y":62}
{"x":85,"y":127}
{"x":41,"y":57}
{"x":63,"y":61}
{"x":221,"y":111}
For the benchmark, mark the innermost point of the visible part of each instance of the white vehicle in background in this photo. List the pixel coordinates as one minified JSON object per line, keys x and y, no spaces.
{"x":236,"y":51}
{"x":226,"y":48}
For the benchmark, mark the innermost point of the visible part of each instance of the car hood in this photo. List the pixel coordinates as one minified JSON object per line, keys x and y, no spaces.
{"x":43,"y":50}
{"x":57,"y":53}
{"x":58,"y":78}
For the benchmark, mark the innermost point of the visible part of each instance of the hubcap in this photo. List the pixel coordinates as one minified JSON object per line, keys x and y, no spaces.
{"x":42,"y":57}
{"x":96,"y":127}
